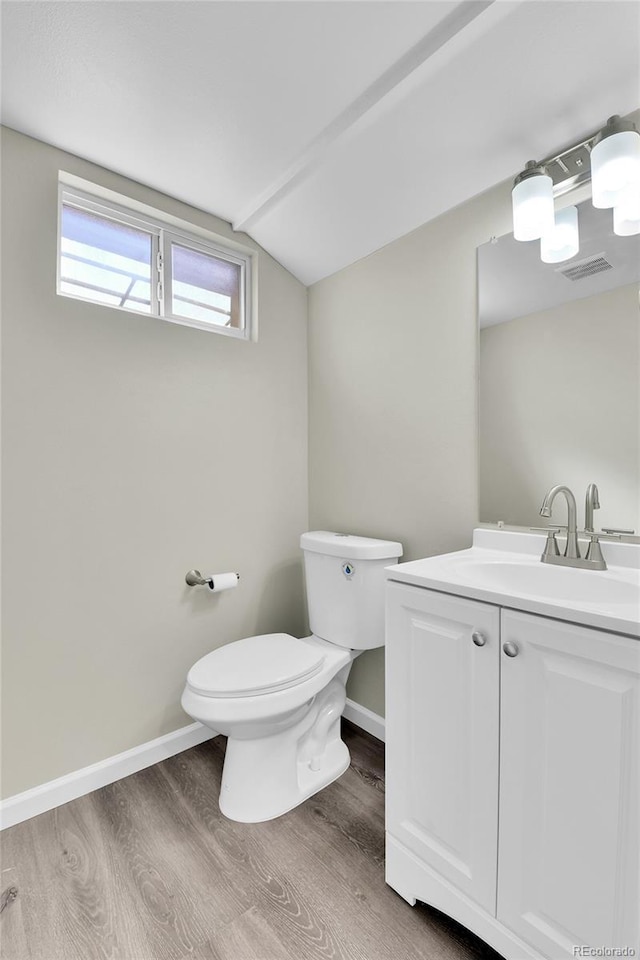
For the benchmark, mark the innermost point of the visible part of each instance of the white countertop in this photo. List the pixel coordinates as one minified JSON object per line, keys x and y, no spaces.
{"x":503,"y":567}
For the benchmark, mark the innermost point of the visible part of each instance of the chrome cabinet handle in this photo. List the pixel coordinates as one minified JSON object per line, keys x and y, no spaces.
{"x":511,"y":649}
{"x":478,"y":638}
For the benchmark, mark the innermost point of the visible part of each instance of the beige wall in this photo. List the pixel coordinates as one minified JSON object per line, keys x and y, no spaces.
{"x":559,"y":404}
{"x":134,"y":449}
{"x":392,"y":395}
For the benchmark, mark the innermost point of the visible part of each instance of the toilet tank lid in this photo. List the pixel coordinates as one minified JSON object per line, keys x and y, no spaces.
{"x":349,"y":547}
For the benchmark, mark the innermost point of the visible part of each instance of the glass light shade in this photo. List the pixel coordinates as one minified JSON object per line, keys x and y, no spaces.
{"x":615,"y":167}
{"x":626,"y":214}
{"x":532,"y":207}
{"x":563,"y":241}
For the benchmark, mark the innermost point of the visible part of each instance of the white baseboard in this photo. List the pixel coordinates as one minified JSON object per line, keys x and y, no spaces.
{"x":32,"y":802}
{"x":364,"y":718}
{"x":38,"y":800}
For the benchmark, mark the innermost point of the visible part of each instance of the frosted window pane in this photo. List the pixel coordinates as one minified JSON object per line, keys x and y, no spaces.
{"x":89,"y":294}
{"x":141,"y":292}
{"x":104,"y":260}
{"x":205,"y":287}
{"x":77,"y":270}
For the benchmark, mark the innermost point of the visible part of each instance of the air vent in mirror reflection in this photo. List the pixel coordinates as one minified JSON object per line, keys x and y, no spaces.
{"x":586,"y":268}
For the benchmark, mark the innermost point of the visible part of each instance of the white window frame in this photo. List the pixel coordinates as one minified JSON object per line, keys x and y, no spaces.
{"x":191,"y":243}
{"x":163,"y":234}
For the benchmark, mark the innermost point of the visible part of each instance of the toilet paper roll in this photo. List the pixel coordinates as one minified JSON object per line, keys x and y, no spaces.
{"x":223,"y":581}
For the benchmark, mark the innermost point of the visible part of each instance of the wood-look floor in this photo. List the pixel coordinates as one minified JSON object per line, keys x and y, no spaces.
{"x":149,"y":869}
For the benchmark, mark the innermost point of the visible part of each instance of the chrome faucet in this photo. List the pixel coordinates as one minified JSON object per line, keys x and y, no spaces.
{"x":571,"y":551}
{"x":591,"y":503}
{"x":593,"y":560}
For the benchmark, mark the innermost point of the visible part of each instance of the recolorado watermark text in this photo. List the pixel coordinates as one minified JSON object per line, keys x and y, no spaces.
{"x":581,"y":951}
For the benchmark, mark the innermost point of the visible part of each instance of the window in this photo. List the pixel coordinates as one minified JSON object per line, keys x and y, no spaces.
{"x":108,"y":254}
{"x":203,"y":286}
{"x":105,"y":260}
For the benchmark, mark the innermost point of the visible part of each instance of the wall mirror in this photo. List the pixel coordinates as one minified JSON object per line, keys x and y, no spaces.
{"x":559,"y":384}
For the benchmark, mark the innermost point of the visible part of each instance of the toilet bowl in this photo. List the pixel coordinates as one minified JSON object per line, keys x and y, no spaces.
{"x":279,"y":699}
{"x":284,"y":734}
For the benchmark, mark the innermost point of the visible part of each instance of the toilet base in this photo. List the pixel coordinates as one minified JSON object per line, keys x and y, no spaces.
{"x":266,"y":777}
{"x":265,"y":807}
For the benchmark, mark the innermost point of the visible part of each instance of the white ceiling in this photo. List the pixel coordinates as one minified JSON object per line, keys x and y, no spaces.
{"x":323,"y":129}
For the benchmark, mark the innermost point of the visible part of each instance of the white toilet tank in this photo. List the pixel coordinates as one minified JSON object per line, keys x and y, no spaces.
{"x":345,"y":587}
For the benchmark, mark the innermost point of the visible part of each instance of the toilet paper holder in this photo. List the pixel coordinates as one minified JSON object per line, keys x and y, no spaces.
{"x":195,"y":579}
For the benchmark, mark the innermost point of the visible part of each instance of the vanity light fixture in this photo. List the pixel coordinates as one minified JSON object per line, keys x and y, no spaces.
{"x":563,"y":240}
{"x":532,"y":203}
{"x":615,"y":162}
{"x":626,"y":214}
{"x":610,"y":159}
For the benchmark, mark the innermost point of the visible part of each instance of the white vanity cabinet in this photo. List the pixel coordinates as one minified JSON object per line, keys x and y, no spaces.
{"x":569,"y":798}
{"x":512,"y":781}
{"x":442,"y":731}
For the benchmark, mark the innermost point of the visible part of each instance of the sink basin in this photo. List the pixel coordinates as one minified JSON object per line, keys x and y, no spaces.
{"x":559,"y":584}
{"x":504,"y":568}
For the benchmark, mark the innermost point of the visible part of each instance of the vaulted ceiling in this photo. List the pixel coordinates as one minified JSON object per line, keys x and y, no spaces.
{"x":323,"y":129}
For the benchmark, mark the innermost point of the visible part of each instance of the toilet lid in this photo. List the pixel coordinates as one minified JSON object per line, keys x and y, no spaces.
{"x":255,"y":665}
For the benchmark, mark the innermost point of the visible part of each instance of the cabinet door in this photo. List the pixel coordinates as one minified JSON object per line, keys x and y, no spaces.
{"x":569,"y":802}
{"x":442,"y":734}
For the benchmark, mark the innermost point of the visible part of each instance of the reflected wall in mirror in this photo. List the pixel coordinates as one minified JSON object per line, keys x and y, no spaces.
{"x":559,"y":383}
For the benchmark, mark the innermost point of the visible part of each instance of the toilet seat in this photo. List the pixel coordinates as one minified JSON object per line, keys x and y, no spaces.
{"x":256,"y":665}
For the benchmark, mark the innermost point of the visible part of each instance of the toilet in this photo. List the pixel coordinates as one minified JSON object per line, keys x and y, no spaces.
{"x":278,"y":699}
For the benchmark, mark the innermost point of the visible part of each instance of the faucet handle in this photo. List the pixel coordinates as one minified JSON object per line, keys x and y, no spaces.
{"x":551,"y":548}
{"x":594,"y":551}
{"x":595,"y":535}
{"x":616,"y":532}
